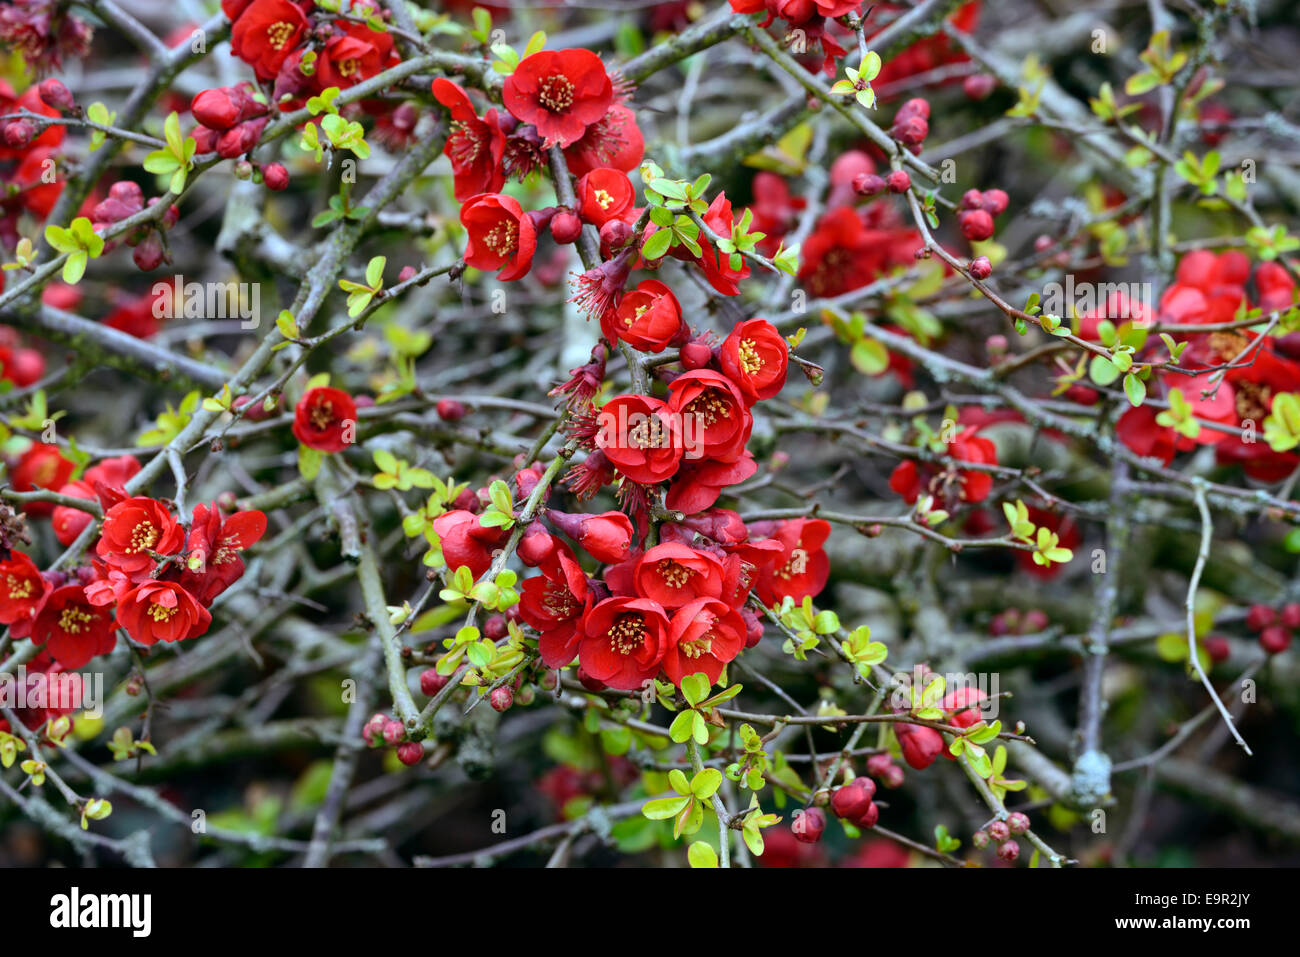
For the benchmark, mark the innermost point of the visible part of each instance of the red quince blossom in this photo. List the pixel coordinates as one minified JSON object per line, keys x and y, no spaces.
{"x":560,"y":92}
{"x":44,"y":32}
{"x":803,"y":567}
{"x":623,"y":642}
{"x":648,"y":318}
{"x":605,"y":194}
{"x":22,"y":591}
{"x":703,"y":636}
{"x":72,"y":629}
{"x":605,"y":537}
{"x":673,"y":574}
{"x":717,"y":266}
{"x":499,"y":235}
{"x":920,"y":745}
{"x":910,"y":480}
{"x":135,"y":528}
{"x":162,"y":611}
{"x":639,"y":436}
{"x":41,"y":466}
{"x":325,"y":419}
{"x":845,"y":253}
{"x":475,"y":146}
{"x":69,"y":522}
{"x":755,"y":357}
{"x":775,"y":210}
{"x":265,"y":32}
{"x":555,"y":603}
{"x":714,"y":420}
{"x":615,"y":141}
{"x":698,"y":484}
{"x":466,"y":542}
{"x":212,"y":550}
{"x":354,"y":53}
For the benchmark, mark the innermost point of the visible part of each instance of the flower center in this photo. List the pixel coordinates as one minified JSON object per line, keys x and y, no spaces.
{"x":503,"y":238}
{"x":158,"y":613}
{"x":143,"y":537}
{"x":695,"y":647}
{"x":73,"y":620}
{"x":797,"y":565}
{"x":349,"y":67}
{"x":321,"y":415}
{"x":709,"y":406}
{"x":556,"y":93}
{"x":674,"y":573}
{"x":1251,"y":400}
{"x":627,"y":634}
{"x":750,"y":360}
{"x":559,"y":601}
{"x":19,"y":587}
{"x":278,"y":34}
{"x":647,"y":434}
{"x":604,"y":199}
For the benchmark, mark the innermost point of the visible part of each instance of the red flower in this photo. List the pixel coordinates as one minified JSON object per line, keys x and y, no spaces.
{"x":499,"y":235}
{"x":775,"y":210}
{"x":909,"y":479}
{"x":697,"y":485}
{"x":72,"y":629}
{"x":605,"y":194}
{"x":325,"y":419}
{"x":554,"y":603}
{"x":466,"y":542}
{"x":354,"y":53}
{"x":648,"y":318}
{"x":1137,"y":428}
{"x":22,"y":589}
{"x":640,"y":437}
{"x":69,"y":522}
{"x":132,"y":530}
{"x":844,"y":254}
{"x":703,"y":636}
{"x":714,"y":421}
{"x":673,"y":574}
{"x":42,"y":466}
{"x":162,"y":611}
{"x":720,"y":269}
{"x":265,"y":32}
{"x":754,"y":357}
{"x":920,"y":745}
{"x":624,"y":642}
{"x":605,"y":537}
{"x":614,"y":140}
{"x":31,"y":101}
{"x":475,"y":145}
{"x":561,"y":92}
{"x":212,"y":559}
{"x":803,"y":568}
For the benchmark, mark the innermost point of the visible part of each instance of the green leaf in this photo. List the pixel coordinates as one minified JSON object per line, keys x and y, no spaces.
{"x":661,"y":809}
{"x":706,"y":783}
{"x":1135,"y":389}
{"x":702,"y":854}
{"x":657,"y":246}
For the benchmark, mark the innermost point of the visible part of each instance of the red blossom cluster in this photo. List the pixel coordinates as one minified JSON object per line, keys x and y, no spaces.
{"x":152,"y":576}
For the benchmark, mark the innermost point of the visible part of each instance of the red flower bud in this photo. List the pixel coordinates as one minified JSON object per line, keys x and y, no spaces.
{"x":566,"y":226}
{"x":410,"y":753}
{"x":536,"y":545}
{"x":275,"y":176}
{"x":1275,"y":639}
{"x":976,"y":224}
{"x":495,"y":628}
{"x":501,"y":699}
{"x":995,"y":202}
{"x":1290,"y":617}
{"x":1017,"y":822}
{"x":696,"y":355}
{"x":449,"y":410}
{"x":898,"y":181}
{"x":972,"y":199}
{"x":54,"y":94}
{"x":999,"y":831}
{"x":869,"y":184}
{"x":981,"y":268}
{"x":980,"y":840}
{"x":1217,"y":647}
{"x":850,"y":801}
{"x":1009,"y":851}
{"x":977,"y":86}
{"x":920,"y":745}
{"x":615,"y":233}
{"x":1260,"y":617}
{"x":808,"y":825}
{"x":19,"y":133}
{"x":868,"y":817}
{"x":394,"y":732}
{"x":431,"y":682}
